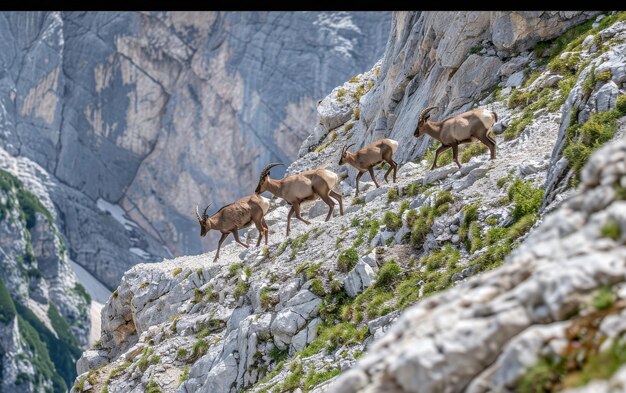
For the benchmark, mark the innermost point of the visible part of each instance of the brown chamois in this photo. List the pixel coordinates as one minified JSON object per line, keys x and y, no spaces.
{"x":237,"y":215}
{"x":304,"y":186}
{"x":454,"y":131}
{"x":368,"y":157}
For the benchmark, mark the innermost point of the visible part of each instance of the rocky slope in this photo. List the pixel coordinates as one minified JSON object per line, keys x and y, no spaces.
{"x":44,"y":310}
{"x":147,"y":114}
{"x":475,"y":256}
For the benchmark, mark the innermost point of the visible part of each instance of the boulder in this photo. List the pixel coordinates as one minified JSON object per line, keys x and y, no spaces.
{"x":359,"y":278}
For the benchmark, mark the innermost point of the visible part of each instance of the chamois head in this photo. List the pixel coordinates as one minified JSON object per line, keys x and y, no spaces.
{"x":265,"y":174}
{"x":419,"y":130}
{"x":344,"y":150}
{"x":203,"y":221}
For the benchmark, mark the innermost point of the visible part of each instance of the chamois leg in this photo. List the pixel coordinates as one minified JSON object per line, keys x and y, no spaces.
{"x":266,"y":229}
{"x":296,"y":208}
{"x":261,"y":229}
{"x":337,"y":196}
{"x":371,"y":171}
{"x":491,"y":144}
{"x":236,"y":235}
{"x":395,"y":169}
{"x":331,"y":205}
{"x":392,"y":167}
{"x":455,"y":154}
{"x":358,"y":177}
{"x":289,"y":218}
{"x":441,"y":149}
{"x":219,"y":244}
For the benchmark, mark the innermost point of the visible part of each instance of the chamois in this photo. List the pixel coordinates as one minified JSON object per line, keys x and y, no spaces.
{"x":464,"y":128}
{"x":234,"y":216}
{"x":305,"y":186}
{"x":371,"y":155}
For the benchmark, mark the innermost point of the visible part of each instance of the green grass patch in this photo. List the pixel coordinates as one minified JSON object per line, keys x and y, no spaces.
{"x":152,"y":387}
{"x":392,"y":220}
{"x":583,"y":140}
{"x":347,"y":260}
{"x":298,"y":244}
{"x":82,"y":292}
{"x":234,"y":269}
{"x":278,"y":355}
{"x":526,"y":198}
{"x":389,"y":273}
{"x":7,"y":307}
{"x":315,"y":378}
{"x":368,"y":229}
{"x":184,"y":376}
{"x":612,"y":230}
{"x":317,"y":287}
{"x":200,"y":347}
{"x":331,"y":337}
{"x":473,"y":150}
{"x":241,"y":288}
{"x":392,"y":194}
{"x":603,"y":299}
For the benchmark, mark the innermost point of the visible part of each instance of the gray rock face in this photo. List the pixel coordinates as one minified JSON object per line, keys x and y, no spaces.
{"x":160,"y":111}
{"x":359,"y":278}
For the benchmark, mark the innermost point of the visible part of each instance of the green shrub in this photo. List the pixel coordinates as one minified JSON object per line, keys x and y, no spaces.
{"x":517,"y":126}
{"x":621,"y":105}
{"x":117,"y":371}
{"x":241,"y":289}
{"x":357,"y":113}
{"x":413,"y":189}
{"x":473,"y":150}
{"x":522,"y":226}
{"x":526,"y":198}
{"x":152,"y":387}
{"x":444,"y":158}
{"x":603,"y":76}
{"x":475,"y":237}
{"x":176,"y":271}
{"x":392,"y":220}
{"x":331,"y":337}
{"x":603,"y":298}
{"x":446,"y":256}
{"x":541,"y":377}
{"x":184,"y":376}
{"x":315,"y":378}
{"x":317,"y":288}
{"x":519,"y":98}
{"x":82,"y":292}
{"x":278,"y":355}
{"x":495,"y":235}
{"x":61,"y":327}
{"x":388,"y":274}
{"x":347,"y":260}
{"x":443,"y":197}
{"x":181,"y":353}
{"x":30,"y":205}
{"x":200,"y":347}
{"x":298,"y":244}
{"x":392,"y":194}
{"x":582,"y":140}
{"x":234,"y":269}
{"x":612,"y":230}
{"x":7,"y":307}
